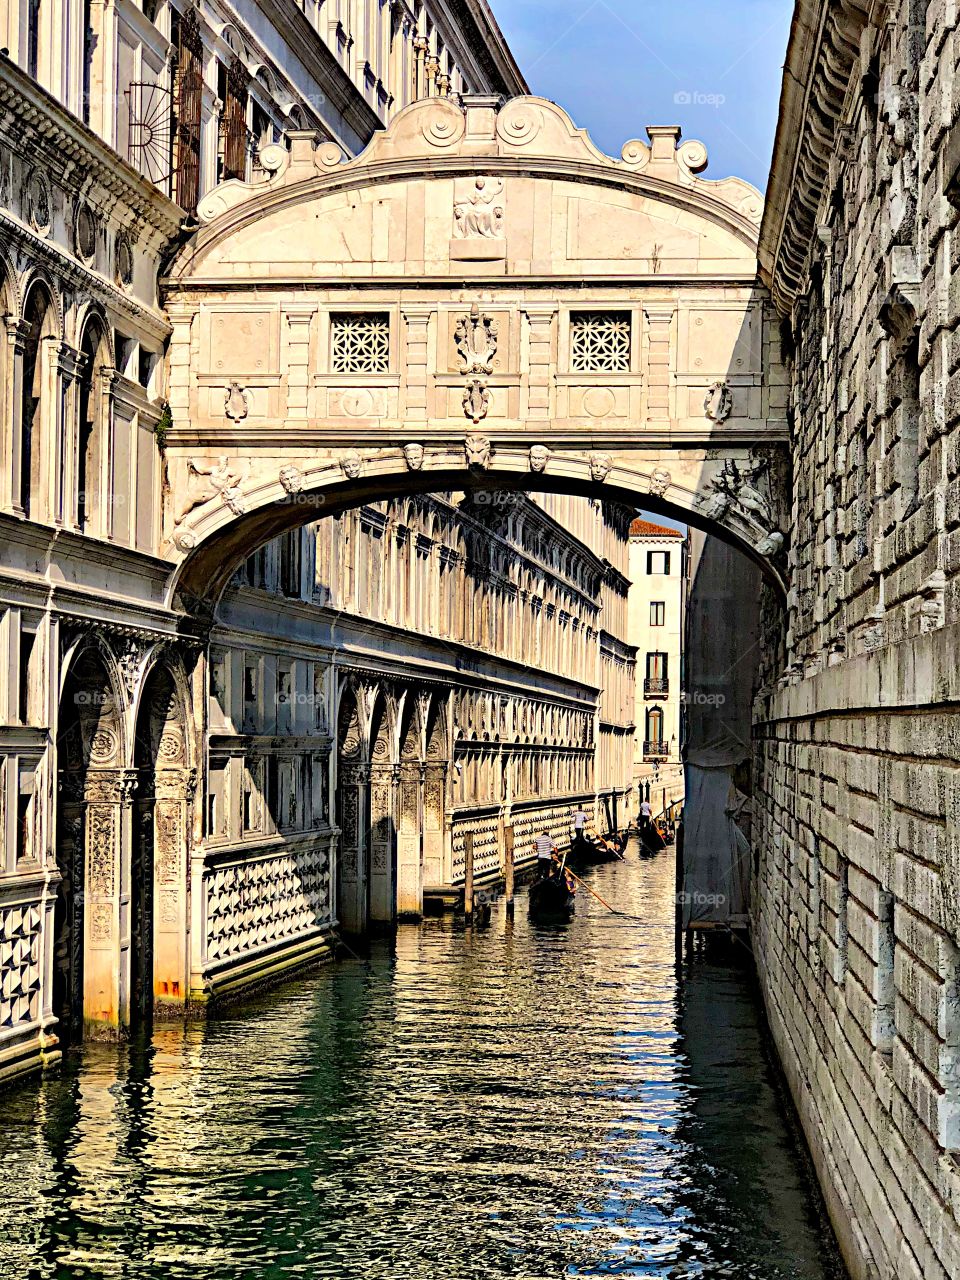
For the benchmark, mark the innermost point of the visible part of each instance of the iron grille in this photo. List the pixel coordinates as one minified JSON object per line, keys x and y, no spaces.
{"x":188,"y":105}
{"x":150,"y":136}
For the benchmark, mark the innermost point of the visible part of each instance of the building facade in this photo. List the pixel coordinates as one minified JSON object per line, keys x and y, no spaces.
{"x":856,"y":922}
{"x":658,"y":584}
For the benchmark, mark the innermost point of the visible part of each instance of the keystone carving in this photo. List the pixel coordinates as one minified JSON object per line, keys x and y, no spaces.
{"x":476,"y":339}
{"x":600,"y":464}
{"x":413,"y":454}
{"x":477,"y":449}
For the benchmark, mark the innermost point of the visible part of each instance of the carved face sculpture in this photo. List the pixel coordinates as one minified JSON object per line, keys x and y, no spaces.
{"x":414,"y":456}
{"x":291,"y":479}
{"x":660,"y":481}
{"x":600,"y":464}
{"x":539,"y":453}
{"x":350,"y":464}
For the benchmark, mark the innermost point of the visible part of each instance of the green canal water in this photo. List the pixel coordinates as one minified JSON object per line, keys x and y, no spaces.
{"x":518,"y":1101}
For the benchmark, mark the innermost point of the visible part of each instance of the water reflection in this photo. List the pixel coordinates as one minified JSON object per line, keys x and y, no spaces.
{"x":520,"y":1101}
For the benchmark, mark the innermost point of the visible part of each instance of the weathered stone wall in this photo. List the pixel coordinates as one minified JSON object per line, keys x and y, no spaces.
{"x":858,"y":740}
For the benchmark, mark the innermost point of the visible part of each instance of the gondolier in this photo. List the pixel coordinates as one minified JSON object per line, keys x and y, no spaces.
{"x":546,"y":847}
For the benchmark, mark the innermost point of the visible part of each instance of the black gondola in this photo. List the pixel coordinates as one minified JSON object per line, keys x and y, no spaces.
{"x":551,"y":898}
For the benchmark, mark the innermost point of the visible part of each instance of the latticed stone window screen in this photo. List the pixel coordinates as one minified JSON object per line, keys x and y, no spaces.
{"x":600,"y":341}
{"x":361,"y":342}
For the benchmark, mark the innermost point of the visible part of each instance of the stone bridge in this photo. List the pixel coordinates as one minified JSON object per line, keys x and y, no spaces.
{"x":482,"y":299}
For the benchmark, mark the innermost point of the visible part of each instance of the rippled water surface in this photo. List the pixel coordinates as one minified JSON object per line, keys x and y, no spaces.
{"x":520,"y":1101}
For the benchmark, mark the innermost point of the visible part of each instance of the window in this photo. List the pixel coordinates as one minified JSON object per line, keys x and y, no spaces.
{"x":289,"y":571}
{"x":255,"y":569}
{"x":187,"y":111}
{"x":28,"y":640}
{"x":284,"y":696}
{"x":251,"y":693}
{"x":232,"y":87}
{"x":33,"y":38}
{"x":360,"y":342}
{"x":654,"y":727}
{"x":658,"y":562}
{"x":656,"y":666}
{"x":658,"y":613}
{"x":600,"y":341}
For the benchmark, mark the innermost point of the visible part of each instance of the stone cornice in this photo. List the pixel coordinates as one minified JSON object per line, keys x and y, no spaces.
{"x":72,"y":147}
{"x":483,"y":37}
{"x":299,"y":34}
{"x":822,"y":57}
{"x":57,"y":259}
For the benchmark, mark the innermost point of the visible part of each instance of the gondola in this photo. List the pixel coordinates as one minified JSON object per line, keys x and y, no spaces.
{"x":550,"y":898}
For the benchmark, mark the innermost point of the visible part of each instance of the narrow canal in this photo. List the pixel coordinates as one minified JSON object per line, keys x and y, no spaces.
{"x":521,"y":1101}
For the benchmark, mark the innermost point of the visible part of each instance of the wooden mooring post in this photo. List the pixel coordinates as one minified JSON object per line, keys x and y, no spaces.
{"x":468,"y":874}
{"x":508,"y":865}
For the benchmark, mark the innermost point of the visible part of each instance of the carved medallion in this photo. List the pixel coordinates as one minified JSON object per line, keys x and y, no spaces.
{"x":476,"y":399}
{"x":124,"y":261}
{"x":84,"y":232}
{"x":718,"y":403}
{"x":235,"y":405}
{"x":476,"y":339}
{"x":37,"y":204}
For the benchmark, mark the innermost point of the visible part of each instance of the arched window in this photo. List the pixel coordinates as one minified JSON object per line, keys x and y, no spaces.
{"x":95,"y":357}
{"x":38,"y":324}
{"x":654,"y":734}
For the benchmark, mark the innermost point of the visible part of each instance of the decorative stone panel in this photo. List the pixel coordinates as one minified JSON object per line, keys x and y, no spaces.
{"x":20,"y":965}
{"x":266,"y":901}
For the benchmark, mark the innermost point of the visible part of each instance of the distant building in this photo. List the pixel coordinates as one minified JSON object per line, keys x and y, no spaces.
{"x":658,"y":577}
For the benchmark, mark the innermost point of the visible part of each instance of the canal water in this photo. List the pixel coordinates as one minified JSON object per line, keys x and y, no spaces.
{"x":516,"y":1101}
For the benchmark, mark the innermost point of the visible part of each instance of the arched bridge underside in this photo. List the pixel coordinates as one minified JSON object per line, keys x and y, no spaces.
{"x":482,"y":299}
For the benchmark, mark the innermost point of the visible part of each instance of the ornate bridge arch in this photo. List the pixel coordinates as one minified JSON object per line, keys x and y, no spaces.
{"x":481,"y":299}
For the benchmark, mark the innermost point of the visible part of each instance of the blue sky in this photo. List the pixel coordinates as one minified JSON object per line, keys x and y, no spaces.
{"x":711,"y":66}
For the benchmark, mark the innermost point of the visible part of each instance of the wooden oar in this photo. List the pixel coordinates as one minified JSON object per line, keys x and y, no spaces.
{"x":588,"y":889}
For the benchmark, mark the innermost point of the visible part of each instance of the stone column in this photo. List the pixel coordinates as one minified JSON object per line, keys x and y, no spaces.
{"x":409,"y":840}
{"x":384,"y":789}
{"x":659,"y":321}
{"x":107,"y":796}
{"x":64,"y":439}
{"x":354,"y":817}
{"x":173,"y":795}
{"x":11,"y":439}
{"x":541,"y":360}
